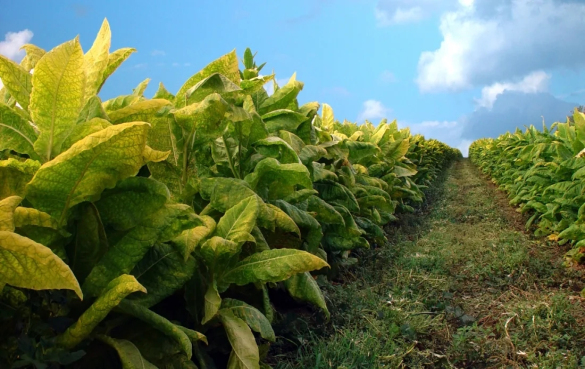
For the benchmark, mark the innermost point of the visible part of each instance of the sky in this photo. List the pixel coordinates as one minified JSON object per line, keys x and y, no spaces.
{"x":454,"y":70}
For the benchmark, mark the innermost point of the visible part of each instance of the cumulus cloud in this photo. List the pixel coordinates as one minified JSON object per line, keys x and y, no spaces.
{"x":532,"y":83}
{"x":514,"y":109}
{"x":393,"y":12}
{"x":12,"y":43}
{"x":486,"y":41}
{"x":373,"y":109}
{"x":448,"y":132}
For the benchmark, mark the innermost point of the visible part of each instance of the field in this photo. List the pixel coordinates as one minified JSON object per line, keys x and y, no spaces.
{"x":223,"y":227}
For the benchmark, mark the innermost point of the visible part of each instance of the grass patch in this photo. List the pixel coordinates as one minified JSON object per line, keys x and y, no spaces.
{"x":458,"y":286}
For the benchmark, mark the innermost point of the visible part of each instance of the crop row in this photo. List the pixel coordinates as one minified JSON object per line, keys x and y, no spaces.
{"x":153,"y":232}
{"x":544,"y":174}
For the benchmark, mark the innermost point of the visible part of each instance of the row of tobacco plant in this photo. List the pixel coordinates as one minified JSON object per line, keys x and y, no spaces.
{"x":151,"y":232}
{"x":544,"y":174}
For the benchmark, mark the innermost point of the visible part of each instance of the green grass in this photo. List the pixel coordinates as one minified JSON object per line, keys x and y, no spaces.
{"x":458,"y":286}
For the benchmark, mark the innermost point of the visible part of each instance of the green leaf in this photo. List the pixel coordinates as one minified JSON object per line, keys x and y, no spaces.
{"x":96,"y":60}
{"x":115,"y":59}
{"x":113,"y":294}
{"x":212,"y":302}
{"x":282,"y":98}
{"x":224,"y":193}
{"x":276,"y":147}
{"x":334,"y":192}
{"x":162,"y":271}
{"x":283,"y":119}
{"x":57,"y":96}
{"x":324,"y":212}
{"x":163,"y":93}
{"x":311,"y":228}
{"x":217,"y":83}
{"x":282,"y":221}
{"x":130,"y":356}
{"x":272,"y":266}
{"x":219,"y":254}
{"x":244,"y":348}
{"x":238,"y":221}
{"x":91,"y":165}
{"x":7,"y":208}
{"x":91,"y":242}
{"x":17,"y":80}
{"x":303,"y":287}
{"x":16,"y":133}
{"x":188,"y":241}
{"x":273,"y":180}
{"x":161,"y":226}
{"x":252,"y":316}
{"x":131,"y":201}
{"x":226,"y":65}
{"x":327,"y":116}
{"x":28,"y":264}
{"x":159,"y":323}
{"x":84,"y":129}
{"x":142,"y":111}
{"x":14,"y":175}
{"x":33,"y":55}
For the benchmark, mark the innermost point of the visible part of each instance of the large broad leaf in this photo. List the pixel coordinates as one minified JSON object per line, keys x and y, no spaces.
{"x":224,"y":193}
{"x":161,"y":226}
{"x":96,"y":60}
{"x":14,"y":175}
{"x":273,"y":180}
{"x":16,"y":80}
{"x":324,"y":212}
{"x":32,"y":57}
{"x":57,"y":96}
{"x":140,"y":111}
{"x":238,"y":221}
{"x":276,"y":147}
{"x":7,"y":207}
{"x":272,"y":266}
{"x":163,"y":93}
{"x":361,"y":150}
{"x":188,"y":241}
{"x":328,"y":119}
{"x":244,"y":348}
{"x":115,"y":292}
{"x":167,"y":135}
{"x":84,"y":129}
{"x":16,"y":133}
{"x":115,"y":59}
{"x":226,"y":65}
{"x":212,"y":302}
{"x":130,"y":356}
{"x":27,"y":264}
{"x":203,"y":119}
{"x":304,"y":288}
{"x":252,"y":316}
{"x":93,"y":108}
{"x":283,"y":119}
{"x":282,"y":98}
{"x":310,"y":227}
{"x":162,"y":271}
{"x":91,"y":242}
{"x":133,"y":199}
{"x":217,"y":83}
{"x":91,"y":165}
{"x":159,"y":323}
{"x":334,"y":192}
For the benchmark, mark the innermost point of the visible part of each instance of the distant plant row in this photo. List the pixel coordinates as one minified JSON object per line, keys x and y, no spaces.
{"x":153,"y":232}
{"x":544,"y":174}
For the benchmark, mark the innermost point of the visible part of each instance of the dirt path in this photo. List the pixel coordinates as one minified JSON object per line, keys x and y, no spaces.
{"x":460,"y":286}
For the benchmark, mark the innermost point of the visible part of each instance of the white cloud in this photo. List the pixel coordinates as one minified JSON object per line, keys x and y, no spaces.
{"x":158,"y":53}
{"x":176,"y":64}
{"x":187,"y":64}
{"x":337,"y":91}
{"x":532,"y":83}
{"x":486,"y":41}
{"x":394,"y":12}
{"x":12,"y":43}
{"x":387,"y":77}
{"x":140,"y":66}
{"x":464,"y":147}
{"x":373,"y":109}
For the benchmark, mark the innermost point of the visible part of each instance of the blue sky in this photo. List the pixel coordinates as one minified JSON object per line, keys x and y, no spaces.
{"x":454,"y":70}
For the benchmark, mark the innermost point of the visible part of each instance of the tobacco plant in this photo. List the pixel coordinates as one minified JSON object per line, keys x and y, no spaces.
{"x":153,"y":232}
